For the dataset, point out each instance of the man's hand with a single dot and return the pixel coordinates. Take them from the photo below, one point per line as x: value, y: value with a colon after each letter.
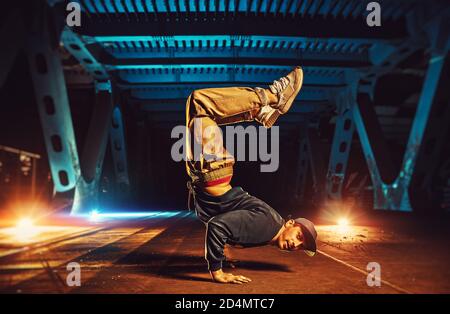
x: 220, y: 276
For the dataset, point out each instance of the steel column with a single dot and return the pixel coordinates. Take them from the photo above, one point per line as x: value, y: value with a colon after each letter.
x: 118, y: 147
x: 86, y: 193
x: 434, y: 139
x: 340, y: 148
x: 53, y: 105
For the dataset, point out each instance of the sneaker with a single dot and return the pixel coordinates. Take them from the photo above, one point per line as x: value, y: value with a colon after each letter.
x: 267, y: 116
x: 287, y: 88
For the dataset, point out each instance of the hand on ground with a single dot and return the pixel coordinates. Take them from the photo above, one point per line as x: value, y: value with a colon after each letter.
x: 220, y: 276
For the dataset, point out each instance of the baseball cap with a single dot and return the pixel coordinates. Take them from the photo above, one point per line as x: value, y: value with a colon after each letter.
x: 309, y: 235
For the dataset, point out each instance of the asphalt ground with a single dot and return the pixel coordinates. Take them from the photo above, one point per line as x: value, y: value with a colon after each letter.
x: 165, y: 254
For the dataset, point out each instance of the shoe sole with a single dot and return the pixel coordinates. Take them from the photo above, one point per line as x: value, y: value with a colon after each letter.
x: 272, y: 119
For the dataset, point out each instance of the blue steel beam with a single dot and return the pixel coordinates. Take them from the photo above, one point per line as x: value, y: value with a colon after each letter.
x: 427, y: 169
x: 68, y: 172
x: 118, y: 147
x: 426, y: 27
x: 281, y: 58
x: 53, y: 107
x: 395, y: 195
x: 87, y: 187
x: 117, y: 45
x: 78, y: 49
x: 162, y: 24
x: 228, y: 46
x: 341, y: 145
x: 284, y: 8
x: 224, y: 73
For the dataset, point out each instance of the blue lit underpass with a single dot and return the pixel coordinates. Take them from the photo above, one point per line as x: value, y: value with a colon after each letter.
x: 94, y: 100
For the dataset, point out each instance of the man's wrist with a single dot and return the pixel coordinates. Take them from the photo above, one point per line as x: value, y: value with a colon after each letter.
x: 216, y: 274
x: 214, y: 266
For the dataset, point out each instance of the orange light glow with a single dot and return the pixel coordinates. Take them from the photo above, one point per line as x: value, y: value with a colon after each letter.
x: 25, y: 230
x: 343, y: 222
x: 343, y: 225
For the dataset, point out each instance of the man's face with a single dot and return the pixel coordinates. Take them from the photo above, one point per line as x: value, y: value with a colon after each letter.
x: 291, y: 238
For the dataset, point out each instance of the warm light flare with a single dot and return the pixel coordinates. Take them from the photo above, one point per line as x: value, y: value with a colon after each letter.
x: 25, y: 230
x: 343, y: 222
x: 343, y: 225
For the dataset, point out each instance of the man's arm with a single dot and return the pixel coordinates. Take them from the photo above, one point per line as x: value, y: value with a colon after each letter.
x: 217, y: 234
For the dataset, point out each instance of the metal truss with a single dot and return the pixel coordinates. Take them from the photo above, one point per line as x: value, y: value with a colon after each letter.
x: 223, y: 73
x: 392, y: 190
x: 395, y: 194
x: 395, y: 9
x: 425, y: 27
x: 341, y: 145
x: 240, y: 17
x: 53, y: 105
x: 77, y: 48
x: 86, y: 193
x: 434, y: 139
x: 152, y: 50
x: 68, y: 171
x: 135, y: 50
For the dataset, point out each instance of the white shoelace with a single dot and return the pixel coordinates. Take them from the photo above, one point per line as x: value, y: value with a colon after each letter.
x: 279, y: 85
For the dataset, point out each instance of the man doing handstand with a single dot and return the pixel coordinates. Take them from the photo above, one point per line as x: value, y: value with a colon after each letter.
x: 230, y: 214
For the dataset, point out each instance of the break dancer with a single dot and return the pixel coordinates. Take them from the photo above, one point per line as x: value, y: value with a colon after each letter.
x: 230, y: 214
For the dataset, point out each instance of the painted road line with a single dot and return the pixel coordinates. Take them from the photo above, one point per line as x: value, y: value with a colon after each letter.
x: 385, y: 282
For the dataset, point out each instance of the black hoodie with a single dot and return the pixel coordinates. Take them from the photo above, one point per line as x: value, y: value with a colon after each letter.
x: 234, y: 218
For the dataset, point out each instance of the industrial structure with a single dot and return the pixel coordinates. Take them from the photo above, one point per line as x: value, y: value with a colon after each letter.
x: 371, y: 124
